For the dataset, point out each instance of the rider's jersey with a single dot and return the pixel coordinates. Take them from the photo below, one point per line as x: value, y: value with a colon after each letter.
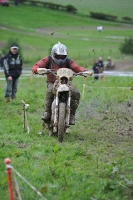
x: 44, y: 63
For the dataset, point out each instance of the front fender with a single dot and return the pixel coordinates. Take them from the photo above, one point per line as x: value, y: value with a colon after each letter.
x: 63, y: 88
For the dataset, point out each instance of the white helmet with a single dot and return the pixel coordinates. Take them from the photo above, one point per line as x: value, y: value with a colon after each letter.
x: 59, y: 53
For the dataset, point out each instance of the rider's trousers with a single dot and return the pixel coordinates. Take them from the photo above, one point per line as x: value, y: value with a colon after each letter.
x: 75, y: 97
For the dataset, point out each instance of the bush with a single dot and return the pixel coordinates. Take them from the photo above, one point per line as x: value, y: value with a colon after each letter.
x: 71, y: 9
x: 103, y: 16
x: 127, y: 19
x: 127, y: 46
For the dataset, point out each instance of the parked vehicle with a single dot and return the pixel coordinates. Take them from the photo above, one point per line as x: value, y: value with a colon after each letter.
x: 60, y: 108
x: 4, y: 3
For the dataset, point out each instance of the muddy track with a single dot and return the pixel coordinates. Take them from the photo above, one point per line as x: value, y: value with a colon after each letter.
x: 124, y: 66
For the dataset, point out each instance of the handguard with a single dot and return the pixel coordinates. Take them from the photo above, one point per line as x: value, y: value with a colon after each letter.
x: 42, y: 71
x: 90, y: 73
x: 87, y: 73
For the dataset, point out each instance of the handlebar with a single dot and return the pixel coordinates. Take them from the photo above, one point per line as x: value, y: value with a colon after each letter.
x: 43, y: 71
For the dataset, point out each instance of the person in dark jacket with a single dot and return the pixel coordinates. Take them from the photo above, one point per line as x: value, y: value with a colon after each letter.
x: 96, y: 69
x: 12, y: 70
x: 58, y: 59
x: 16, y: 2
x: 101, y: 64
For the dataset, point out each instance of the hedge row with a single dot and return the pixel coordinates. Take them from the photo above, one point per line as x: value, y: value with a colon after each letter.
x: 127, y: 19
x: 68, y: 8
x: 103, y: 16
x: 72, y: 9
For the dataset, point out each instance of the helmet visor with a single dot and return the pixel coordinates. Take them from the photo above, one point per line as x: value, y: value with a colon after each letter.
x: 62, y: 57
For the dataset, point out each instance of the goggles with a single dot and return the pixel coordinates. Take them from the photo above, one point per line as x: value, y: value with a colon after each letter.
x: 62, y: 57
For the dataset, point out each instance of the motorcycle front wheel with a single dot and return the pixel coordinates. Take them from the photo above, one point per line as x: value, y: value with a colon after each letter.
x: 61, y: 121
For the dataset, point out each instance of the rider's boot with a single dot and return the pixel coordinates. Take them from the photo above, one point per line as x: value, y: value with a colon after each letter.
x: 47, y: 113
x: 74, y: 107
x: 48, y: 102
x: 72, y: 119
x: 46, y: 116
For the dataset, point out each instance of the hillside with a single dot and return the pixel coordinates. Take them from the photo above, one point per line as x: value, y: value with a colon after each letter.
x: 118, y: 8
x: 40, y: 31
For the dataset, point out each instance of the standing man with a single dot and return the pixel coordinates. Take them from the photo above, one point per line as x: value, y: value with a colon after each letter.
x: 12, y: 70
x: 96, y: 69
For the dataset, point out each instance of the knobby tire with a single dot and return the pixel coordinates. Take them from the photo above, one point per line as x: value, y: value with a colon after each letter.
x: 61, y: 121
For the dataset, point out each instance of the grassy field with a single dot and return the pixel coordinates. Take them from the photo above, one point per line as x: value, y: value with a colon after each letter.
x: 95, y: 160
x: 45, y: 29
x: 114, y: 7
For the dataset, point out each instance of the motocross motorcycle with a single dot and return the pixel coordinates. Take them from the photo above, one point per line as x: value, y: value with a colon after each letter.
x: 60, y: 109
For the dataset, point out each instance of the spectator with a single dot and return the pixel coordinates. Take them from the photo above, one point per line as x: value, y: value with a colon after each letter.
x: 109, y: 60
x: 16, y: 2
x: 12, y: 70
x: 109, y: 65
x: 96, y: 69
x: 1, y: 61
x: 101, y: 65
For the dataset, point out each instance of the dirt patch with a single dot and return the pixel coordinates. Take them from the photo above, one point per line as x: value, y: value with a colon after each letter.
x: 118, y: 120
x: 124, y: 66
x: 114, y: 118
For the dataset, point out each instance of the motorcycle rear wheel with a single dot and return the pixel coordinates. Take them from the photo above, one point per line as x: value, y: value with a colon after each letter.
x: 61, y: 121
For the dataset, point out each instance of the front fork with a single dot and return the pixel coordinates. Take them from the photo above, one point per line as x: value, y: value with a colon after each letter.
x: 56, y: 113
x: 68, y: 110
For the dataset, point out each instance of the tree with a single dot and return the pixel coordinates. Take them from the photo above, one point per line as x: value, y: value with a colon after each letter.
x: 71, y: 9
x: 127, y: 46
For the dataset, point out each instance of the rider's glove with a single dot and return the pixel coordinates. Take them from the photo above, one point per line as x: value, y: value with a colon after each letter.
x: 43, y: 71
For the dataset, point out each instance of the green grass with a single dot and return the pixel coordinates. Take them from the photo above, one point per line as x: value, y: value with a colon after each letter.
x: 89, y: 163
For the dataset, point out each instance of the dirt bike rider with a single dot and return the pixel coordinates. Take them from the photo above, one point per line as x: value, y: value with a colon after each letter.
x: 58, y: 59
